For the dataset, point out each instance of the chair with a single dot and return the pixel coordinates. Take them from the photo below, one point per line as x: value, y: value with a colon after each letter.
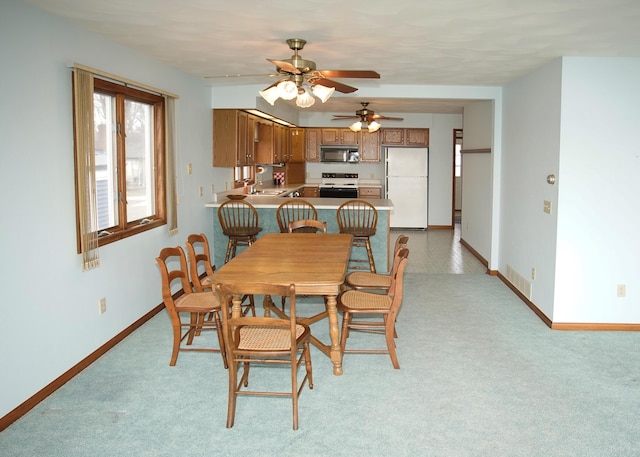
x: 239, y: 221
x: 307, y: 226
x: 195, y: 304
x: 294, y: 209
x: 360, y: 219
x: 264, y: 340
x: 199, y: 255
x: 365, y: 280
x: 369, y: 304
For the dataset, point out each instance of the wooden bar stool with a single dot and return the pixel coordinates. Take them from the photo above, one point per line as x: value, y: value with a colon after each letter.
x: 239, y: 221
x: 360, y: 219
x: 293, y: 210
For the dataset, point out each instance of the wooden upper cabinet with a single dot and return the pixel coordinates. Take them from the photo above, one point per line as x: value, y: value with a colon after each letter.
x: 417, y: 137
x: 338, y: 136
x: 404, y: 137
x: 297, y: 145
x: 265, y: 151
x: 312, y: 144
x: 369, y: 147
x: 233, y: 141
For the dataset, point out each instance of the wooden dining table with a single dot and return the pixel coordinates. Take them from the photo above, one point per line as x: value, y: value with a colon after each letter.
x: 316, y: 263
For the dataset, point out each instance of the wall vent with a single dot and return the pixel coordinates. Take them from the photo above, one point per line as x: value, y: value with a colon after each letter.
x: 519, y: 282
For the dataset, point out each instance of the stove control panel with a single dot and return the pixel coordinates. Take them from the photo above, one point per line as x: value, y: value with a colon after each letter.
x: 340, y: 175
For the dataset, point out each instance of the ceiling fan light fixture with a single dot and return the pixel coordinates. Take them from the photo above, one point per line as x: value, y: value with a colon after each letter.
x: 304, y: 100
x: 270, y: 94
x: 322, y: 92
x: 287, y: 90
x: 356, y: 126
x: 374, y: 126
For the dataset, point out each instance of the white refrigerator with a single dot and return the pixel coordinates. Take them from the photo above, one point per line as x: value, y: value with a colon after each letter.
x: 407, y: 186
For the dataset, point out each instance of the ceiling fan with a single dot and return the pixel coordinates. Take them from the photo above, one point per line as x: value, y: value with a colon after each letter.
x: 296, y: 73
x: 366, y: 117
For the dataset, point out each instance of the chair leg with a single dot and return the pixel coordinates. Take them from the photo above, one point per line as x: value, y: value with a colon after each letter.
x: 391, y: 344
x: 233, y: 385
x: 177, y: 333
x: 372, y: 263
x: 346, y: 320
x: 307, y: 363
x: 195, y: 323
x: 229, y: 247
x: 223, y: 348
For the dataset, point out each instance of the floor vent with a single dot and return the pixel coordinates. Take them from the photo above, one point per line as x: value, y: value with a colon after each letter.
x: 519, y: 282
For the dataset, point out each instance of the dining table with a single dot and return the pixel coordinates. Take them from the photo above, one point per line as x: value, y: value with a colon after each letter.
x: 315, y: 263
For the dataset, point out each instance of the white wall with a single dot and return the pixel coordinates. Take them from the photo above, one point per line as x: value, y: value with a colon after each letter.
x: 531, y: 152
x: 598, y: 184
x: 50, y: 318
x: 478, y: 178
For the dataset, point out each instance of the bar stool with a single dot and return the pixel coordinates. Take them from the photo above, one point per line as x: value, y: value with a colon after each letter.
x: 239, y: 221
x: 360, y: 219
x: 293, y: 210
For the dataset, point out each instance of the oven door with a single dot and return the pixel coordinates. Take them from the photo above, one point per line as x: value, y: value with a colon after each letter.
x: 339, y: 192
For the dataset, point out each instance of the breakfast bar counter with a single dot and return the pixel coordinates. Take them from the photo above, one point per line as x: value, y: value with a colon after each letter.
x: 266, y: 207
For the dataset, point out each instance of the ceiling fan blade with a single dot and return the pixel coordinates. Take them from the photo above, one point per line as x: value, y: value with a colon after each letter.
x: 284, y: 66
x: 338, y: 117
x: 350, y: 74
x: 380, y: 116
x: 241, y: 76
x: 336, y: 85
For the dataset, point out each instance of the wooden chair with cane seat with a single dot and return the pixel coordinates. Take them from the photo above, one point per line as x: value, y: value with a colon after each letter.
x: 370, y: 305
x: 307, y: 226
x: 365, y: 280
x: 360, y: 219
x: 239, y: 221
x: 264, y: 340
x: 201, y: 268
x: 294, y: 209
x: 173, y: 268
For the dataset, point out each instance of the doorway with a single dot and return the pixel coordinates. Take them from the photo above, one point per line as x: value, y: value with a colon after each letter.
x: 456, y: 198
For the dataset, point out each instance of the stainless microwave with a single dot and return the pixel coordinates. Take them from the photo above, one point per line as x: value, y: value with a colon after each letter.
x: 339, y: 154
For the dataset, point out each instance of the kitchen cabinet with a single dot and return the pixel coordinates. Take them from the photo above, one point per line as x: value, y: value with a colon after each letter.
x: 297, y: 145
x: 338, y: 136
x: 233, y: 138
x: 404, y: 137
x: 312, y: 144
x: 273, y: 143
x: 369, y: 147
x: 310, y: 192
x: 369, y: 192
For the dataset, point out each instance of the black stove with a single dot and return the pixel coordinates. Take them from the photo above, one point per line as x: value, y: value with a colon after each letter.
x: 339, y: 185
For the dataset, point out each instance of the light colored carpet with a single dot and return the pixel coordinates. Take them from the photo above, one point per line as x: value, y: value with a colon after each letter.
x: 480, y: 375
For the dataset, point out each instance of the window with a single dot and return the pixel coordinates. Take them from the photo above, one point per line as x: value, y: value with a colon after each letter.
x: 129, y: 132
x: 458, y: 153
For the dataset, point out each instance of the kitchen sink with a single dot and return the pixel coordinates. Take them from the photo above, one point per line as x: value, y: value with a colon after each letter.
x: 270, y: 192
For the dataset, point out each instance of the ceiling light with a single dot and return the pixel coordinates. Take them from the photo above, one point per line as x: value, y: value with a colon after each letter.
x: 356, y: 126
x: 322, y: 92
x: 374, y: 126
x: 287, y: 90
x: 304, y: 100
x: 270, y: 94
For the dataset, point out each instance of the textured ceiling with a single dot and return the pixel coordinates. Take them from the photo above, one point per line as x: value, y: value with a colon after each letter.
x: 419, y: 42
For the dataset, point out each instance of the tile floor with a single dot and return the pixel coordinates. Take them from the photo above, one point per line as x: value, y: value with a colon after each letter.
x: 439, y: 251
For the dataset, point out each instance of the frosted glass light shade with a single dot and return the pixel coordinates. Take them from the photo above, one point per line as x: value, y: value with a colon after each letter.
x: 287, y: 90
x: 305, y: 100
x: 374, y: 127
x: 322, y: 92
x: 356, y: 126
x: 270, y: 94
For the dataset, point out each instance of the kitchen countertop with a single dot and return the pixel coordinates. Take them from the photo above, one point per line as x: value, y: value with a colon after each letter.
x: 264, y: 201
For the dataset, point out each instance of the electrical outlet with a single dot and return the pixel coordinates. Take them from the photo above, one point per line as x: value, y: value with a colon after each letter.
x: 189, y: 169
x: 102, y: 305
x: 213, y: 189
x: 621, y: 290
x: 201, y: 191
x: 533, y: 274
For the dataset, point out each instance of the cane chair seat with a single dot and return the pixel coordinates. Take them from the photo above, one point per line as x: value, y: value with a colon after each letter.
x: 239, y: 222
x: 294, y: 209
x: 360, y: 219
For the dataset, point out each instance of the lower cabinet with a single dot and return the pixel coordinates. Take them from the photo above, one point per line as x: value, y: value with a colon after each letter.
x: 310, y: 192
x: 370, y: 192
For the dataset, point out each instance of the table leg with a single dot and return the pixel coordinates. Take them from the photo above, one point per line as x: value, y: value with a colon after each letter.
x: 236, y: 306
x: 267, y: 303
x: 334, y: 332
